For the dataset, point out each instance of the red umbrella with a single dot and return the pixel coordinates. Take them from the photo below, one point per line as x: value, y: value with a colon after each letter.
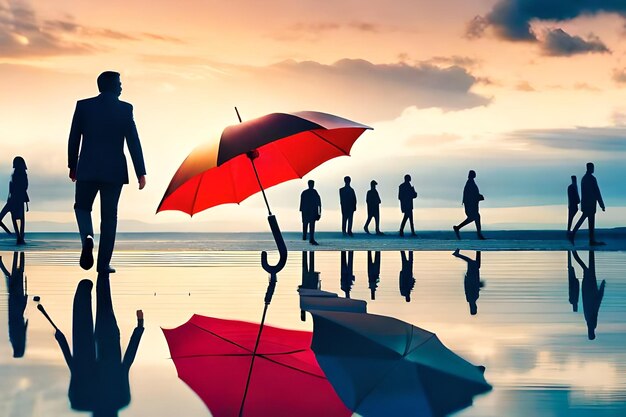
x: 213, y: 357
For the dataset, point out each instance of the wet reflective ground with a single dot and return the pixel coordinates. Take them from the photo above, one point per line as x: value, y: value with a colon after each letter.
x: 536, y: 348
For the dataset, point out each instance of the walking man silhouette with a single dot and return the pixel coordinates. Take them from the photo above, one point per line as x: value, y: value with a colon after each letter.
x: 97, y: 164
x: 373, y: 208
x: 591, y: 197
x: 471, y: 198
x: 347, y: 200
x: 311, y: 209
x: 573, y: 199
x: 406, y: 195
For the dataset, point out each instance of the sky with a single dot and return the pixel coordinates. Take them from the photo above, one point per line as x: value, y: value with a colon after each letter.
x: 522, y: 92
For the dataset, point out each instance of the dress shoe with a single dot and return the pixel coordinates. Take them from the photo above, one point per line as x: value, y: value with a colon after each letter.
x: 86, y: 255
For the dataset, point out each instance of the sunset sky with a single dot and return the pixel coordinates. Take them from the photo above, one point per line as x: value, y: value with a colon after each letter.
x: 523, y: 92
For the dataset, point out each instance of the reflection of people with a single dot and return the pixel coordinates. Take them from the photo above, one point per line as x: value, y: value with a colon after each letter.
x: 373, y: 272
x: 472, y: 282
x: 589, y: 201
x: 406, y: 195
x: 471, y: 198
x: 407, y: 281
x: 310, y: 277
x: 347, y: 271
x: 373, y: 208
x: 100, y: 127
x: 573, y: 199
x: 592, y: 295
x: 18, y: 198
x: 99, y: 374
x: 347, y: 200
x: 18, y: 298
x: 311, y: 208
x: 572, y: 283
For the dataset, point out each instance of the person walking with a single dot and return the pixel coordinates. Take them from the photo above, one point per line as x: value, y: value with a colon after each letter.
x: 573, y: 199
x: 373, y: 208
x: 471, y: 198
x: 311, y: 209
x: 100, y: 127
x: 406, y: 195
x: 347, y: 200
x: 18, y: 198
x: 591, y: 198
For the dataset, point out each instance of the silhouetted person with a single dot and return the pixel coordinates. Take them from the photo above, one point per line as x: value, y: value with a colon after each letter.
x: 407, y: 280
x: 592, y: 295
x: 310, y: 277
x: 311, y: 208
x: 18, y: 299
x: 573, y: 199
x: 591, y: 197
x: 18, y: 198
x: 100, y: 127
x: 572, y: 283
x: 373, y: 208
x: 347, y: 200
x: 472, y: 282
x: 406, y: 195
x: 99, y: 379
x: 373, y: 272
x: 347, y: 271
x: 471, y: 198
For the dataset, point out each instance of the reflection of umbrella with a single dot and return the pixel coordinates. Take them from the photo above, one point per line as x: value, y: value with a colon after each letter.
x: 320, y: 300
x: 213, y: 357
x: 381, y: 366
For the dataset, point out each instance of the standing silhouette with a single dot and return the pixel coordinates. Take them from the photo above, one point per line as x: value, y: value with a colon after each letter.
x: 592, y: 295
x: 407, y: 280
x: 572, y: 283
x: 347, y: 200
x: 347, y: 271
x: 406, y: 195
x: 373, y: 272
x: 472, y: 282
x: 591, y: 198
x: 100, y: 127
x: 18, y: 198
x: 373, y: 208
x: 18, y: 299
x: 573, y: 199
x: 99, y: 379
x: 471, y: 198
x: 311, y: 208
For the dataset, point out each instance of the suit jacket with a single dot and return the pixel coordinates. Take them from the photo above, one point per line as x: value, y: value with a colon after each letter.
x: 99, y: 127
x: 406, y: 194
x: 573, y: 199
x: 347, y: 199
x: 590, y: 194
x: 310, y: 205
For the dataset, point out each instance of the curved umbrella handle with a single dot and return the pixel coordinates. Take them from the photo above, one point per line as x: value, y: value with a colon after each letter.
x: 280, y: 244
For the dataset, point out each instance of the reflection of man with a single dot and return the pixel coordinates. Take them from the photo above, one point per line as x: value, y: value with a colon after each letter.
x: 310, y: 277
x: 18, y: 299
x: 589, y: 201
x: 407, y: 281
x: 347, y: 271
x: 592, y: 295
x: 347, y: 200
x: 99, y: 374
x: 406, y: 195
x: 100, y: 127
x: 373, y: 272
x: 472, y: 282
x: 311, y: 208
x: 572, y: 283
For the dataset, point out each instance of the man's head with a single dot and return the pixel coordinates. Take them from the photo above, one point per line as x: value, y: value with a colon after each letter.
x: 407, y: 178
x: 109, y: 82
x: 573, y: 179
x: 311, y: 184
x: 373, y: 184
x: 471, y: 174
x: 590, y: 167
x: 347, y: 180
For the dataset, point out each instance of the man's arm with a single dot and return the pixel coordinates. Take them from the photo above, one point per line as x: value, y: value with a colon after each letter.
x: 73, y: 144
x: 136, y: 153
x: 598, y: 194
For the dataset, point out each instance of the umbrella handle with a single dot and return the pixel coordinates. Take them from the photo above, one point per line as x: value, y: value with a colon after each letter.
x: 280, y: 244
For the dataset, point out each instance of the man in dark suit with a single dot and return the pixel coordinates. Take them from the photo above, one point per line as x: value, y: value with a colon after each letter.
x: 347, y: 200
x: 311, y: 208
x: 373, y: 208
x: 471, y: 198
x: 573, y: 199
x: 100, y: 127
x: 591, y: 197
x: 406, y: 195
x: 592, y: 294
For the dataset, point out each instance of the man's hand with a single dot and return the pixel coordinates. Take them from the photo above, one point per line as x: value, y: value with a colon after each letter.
x: 603, y: 209
x: 142, y: 182
x: 73, y: 175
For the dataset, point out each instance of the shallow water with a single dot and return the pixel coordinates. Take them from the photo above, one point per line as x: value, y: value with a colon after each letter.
x: 538, y: 356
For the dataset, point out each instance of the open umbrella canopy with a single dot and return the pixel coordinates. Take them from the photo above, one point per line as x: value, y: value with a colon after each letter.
x: 381, y: 366
x: 286, y: 146
x: 213, y: 357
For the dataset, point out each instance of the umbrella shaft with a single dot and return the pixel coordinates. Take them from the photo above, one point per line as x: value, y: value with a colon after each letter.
x: 260, y: 186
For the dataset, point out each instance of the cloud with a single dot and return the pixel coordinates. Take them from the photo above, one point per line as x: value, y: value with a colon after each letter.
x: 619, y: 75
x: 524, y: 86
x: 587, y: 139
x: 511, y: 19
x: 312, y: 31
x: 557, y: 42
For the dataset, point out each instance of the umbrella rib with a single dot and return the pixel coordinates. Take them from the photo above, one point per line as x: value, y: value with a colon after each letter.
x: 288, y: 162
x: 329, y: 142
x: 195, y: 196
x: 221, y: 337
x: 202, y: 355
